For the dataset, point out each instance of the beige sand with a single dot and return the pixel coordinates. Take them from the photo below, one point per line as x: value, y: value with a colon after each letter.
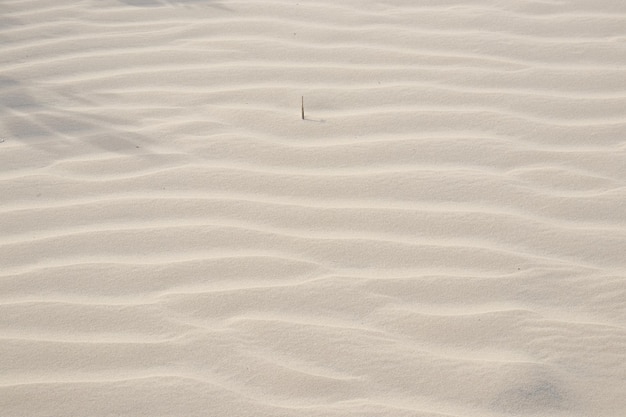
x: 444, y: 235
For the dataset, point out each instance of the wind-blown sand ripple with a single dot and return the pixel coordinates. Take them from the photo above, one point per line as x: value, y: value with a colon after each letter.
x: 443, y: 235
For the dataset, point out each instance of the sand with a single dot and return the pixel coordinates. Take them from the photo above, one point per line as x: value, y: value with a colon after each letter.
x: 443, y: 235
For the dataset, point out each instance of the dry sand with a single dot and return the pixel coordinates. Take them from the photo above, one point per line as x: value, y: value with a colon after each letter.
x: 444, y: 235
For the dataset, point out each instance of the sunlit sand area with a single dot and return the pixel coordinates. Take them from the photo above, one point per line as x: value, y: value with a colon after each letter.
x: 442, y: 235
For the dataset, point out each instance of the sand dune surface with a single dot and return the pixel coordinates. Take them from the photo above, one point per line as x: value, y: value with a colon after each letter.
x: 444, y: 234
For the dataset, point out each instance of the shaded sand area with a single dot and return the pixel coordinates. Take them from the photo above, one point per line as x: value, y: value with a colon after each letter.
x: 443, y: 235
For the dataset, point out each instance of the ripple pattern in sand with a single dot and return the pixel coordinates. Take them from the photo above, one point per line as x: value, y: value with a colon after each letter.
x: 444, y: 235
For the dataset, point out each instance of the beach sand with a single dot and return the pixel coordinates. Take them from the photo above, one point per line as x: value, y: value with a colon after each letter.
x: 444, y: 234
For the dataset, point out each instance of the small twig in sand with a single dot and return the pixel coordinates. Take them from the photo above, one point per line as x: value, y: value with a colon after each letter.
x: 302, y: 107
